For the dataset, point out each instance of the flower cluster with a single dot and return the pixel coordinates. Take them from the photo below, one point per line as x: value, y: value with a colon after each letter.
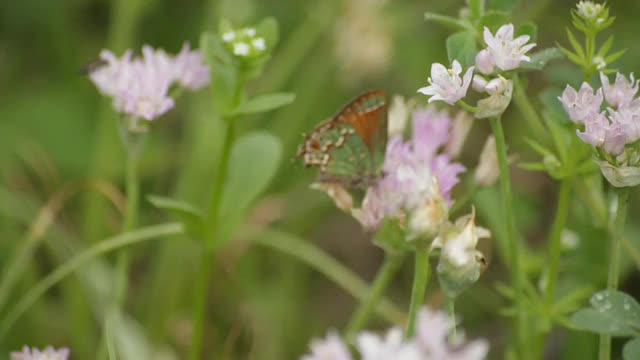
x: 418, y: 179
x: 430, y: 343
x: 244, y: 43
x: 49, y: 353
x: 503, y: 52
x: 140, y: 86
x: 613, y: 132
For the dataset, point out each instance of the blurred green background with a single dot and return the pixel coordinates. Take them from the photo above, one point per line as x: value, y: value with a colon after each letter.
x: 56, y: 132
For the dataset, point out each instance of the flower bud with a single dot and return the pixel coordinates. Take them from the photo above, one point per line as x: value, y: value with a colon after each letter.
x: 459, y: 130
x: 487, y: 172
x: 500, y: 91
x: 620, y: 176
x: 426, y: 220
x: 460, y: 264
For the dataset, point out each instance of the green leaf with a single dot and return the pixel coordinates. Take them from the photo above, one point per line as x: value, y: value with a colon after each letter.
x: 504, y: 5
x: 617, y: 305
x: 263, y: 103
x: 573, y: 57
x: 189, y: 215
x: 447, y: 21
x: 225, y: 26
x: 606, y: 46
x: 253, y: 164
x: 268, y: 29
x: 493, y: 19
x: 528, y: 28
x: 541, y: 58
x: 613, y: 57
x: 631, y: 350
x: 461, y: 46
x: 595, y: 321
x: 577, y: 47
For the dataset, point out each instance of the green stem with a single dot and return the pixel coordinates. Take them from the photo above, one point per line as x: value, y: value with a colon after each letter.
x: 467, y: 107
x: 614, y: 262
x: 528, y: 111
x: 451, y: 309
x: 392, y: 263
x: 515, y: 251
x: 208, y: 258
x: 420, y: 279
x: 590, y: 40
x: 322, y: 262
x: 78, y: 261
x: 555, y: 238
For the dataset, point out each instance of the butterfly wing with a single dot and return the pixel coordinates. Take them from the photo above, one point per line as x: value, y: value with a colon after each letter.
x: 349, y: 148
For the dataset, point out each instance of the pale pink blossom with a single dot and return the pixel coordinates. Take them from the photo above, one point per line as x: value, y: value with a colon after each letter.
x: 330, y: 348
x: 621, y: 92
x: 446, y: 84
x: 484, y: 62
x: 507, y: 53
x: 190, y: 70
x: 581, y: 105
x: 390, y: 346
x: 600, y: 132
x: 49, y: 353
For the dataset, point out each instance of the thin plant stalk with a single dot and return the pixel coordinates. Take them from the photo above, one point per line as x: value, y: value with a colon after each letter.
x: 515, y: 251
x: 529, y: 113
x: 420, y: 280
x: 555, y: 238
x: 208, y: 257
x: 392, y: 263
x: 617, y: 233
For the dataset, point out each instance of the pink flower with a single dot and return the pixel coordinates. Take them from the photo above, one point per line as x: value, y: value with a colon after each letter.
x: 622, y: 91
x: 583, y: 104
x: 140, y: 86
x: 415, y: 173
x: 507, y: 53
x: 390, y: 346
x: 446, y: 84
x: 600, y: 132
x: 49, y: 353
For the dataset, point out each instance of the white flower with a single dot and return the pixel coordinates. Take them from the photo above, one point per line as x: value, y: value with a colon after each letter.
x: 330, y: 348
x: 241, y: 49
x: 251, y: 32
x: 259, y: 44
x: 500, y: 91
x: 589, y: 10
x: 507, y: 52
x: 581, y: 105
x: 392, y: 346
x: 622, y: 91
x: 487, y: 171
x: 228, y: 36
x: 49, y: 353
x: 446, y: 84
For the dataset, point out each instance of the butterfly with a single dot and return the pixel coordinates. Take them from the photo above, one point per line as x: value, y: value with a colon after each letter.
x: 349, y: 147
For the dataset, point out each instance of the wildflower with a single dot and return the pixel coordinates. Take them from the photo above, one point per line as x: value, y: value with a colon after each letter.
x: 140, y: 86
x: 432, y: 330
x: 460, y: 128
x: 507, y: 52
x: 460, y: 263
x: 601, y: 133
x: 190, y: 70
x: 244, y: 43
x: 430, y: 343
x: 599, y: 62
x: 331, y: 348
x: 487, y: 172
x: 500, y: 91
x: 622, y: 91
x: 418, y: 180
x: 446, y: 84
x: 583, y: 104
x: 49, y: 353
x: 391, y: 346
x: 589, y: 10
x: 484, y: 62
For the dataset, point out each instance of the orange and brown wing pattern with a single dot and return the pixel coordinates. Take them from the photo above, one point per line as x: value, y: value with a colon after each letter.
x: 368, y: 115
